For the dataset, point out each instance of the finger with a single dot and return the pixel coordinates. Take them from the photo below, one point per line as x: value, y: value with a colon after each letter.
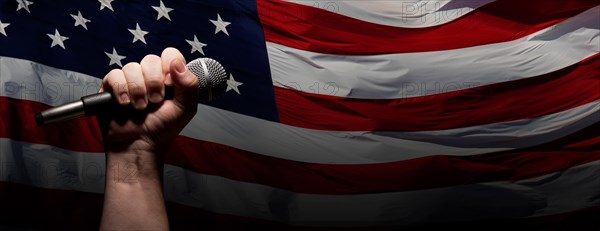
x: 136, y: 85
x: 186, y: 84
x: 167, y: 56
x: 115, y: 82
x: 153, y: 78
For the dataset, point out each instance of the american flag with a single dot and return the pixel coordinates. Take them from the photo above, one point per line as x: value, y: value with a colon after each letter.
x: 337, y: 113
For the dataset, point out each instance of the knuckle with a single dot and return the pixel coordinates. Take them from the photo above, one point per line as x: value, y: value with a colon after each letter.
x: 151, y: 59
x: 171, y: 53
x: 113, y: 75
x: 135, y: 87
x: 129, y: 67
x: 169, y: 50
x: 153, y: 83
x: 118, y: 87
x: 114, y: 72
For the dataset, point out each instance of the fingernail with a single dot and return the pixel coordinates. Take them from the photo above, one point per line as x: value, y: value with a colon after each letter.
x: 155, y: 97
x: 140, y: 103
x: 179, y: 66
x: 124, y: 97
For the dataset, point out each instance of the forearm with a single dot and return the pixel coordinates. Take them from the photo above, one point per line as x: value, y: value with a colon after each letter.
x: 133, y: 194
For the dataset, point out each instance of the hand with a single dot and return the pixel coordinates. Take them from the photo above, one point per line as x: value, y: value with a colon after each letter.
x: 137, y: 133
x: 143, y: 120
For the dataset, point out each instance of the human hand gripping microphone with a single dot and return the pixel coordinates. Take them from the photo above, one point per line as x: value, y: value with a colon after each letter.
x: 211, y: 75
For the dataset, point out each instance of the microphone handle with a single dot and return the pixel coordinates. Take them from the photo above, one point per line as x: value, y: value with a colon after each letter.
x: 87, y: 106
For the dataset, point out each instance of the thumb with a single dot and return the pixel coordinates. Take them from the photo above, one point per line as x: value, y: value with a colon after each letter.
x: 185, y: 83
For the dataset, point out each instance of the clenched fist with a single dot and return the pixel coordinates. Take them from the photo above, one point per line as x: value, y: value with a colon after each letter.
x: 144, y: 119
x: 137, y: 132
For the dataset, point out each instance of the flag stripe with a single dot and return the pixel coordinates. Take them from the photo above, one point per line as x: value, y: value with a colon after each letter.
x: 425, y: 172
x: 533, y: 197
x: 318, y: 30
x: 218, y: 126
x: 18, y: 123
x: 30, y: 80
x: 356, y: 178
x: 399, y: 13
x: 411, y: 74
x: 514, y: 100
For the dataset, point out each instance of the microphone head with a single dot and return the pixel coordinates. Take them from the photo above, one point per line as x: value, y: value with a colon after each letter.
x: 212, y: 78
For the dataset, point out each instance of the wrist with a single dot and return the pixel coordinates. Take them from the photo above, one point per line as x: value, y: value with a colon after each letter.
x: 137, y: 163
x: 134, y: 191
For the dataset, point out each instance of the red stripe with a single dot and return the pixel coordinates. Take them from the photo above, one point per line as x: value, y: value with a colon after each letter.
x: 313, y: 29
x: 422, y: 173
x: 25, y: 208
x: 508, y: 101
x: 17, y: 122
x: 217, y: 159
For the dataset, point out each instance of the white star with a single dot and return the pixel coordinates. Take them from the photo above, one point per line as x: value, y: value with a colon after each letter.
x: 220, y: 25
x: 233, y: 85
x: 80, y: 20
x: 2, y: 27
x: 106, y: 4
x: 196, y: 45
x: 138, y: 34
x: 115, y: 58
x: 162, y: 11
x: 24, y: 4
x: 57, y: 39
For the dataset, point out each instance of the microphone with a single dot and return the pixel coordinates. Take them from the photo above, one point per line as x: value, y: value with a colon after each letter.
x: 211, y: 76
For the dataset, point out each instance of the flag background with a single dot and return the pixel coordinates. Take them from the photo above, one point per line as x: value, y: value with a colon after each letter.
x: 342, y: 113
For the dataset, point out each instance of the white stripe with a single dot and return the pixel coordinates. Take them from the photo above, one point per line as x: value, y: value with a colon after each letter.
x: 555, y: 193
x: 24, y: 79
x: 306, y: 145
x: 406, y: 75
x: 328, y: 147
x: 399, y: 13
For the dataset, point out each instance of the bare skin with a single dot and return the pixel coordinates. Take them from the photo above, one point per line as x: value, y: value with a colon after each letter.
x: 137, y: 133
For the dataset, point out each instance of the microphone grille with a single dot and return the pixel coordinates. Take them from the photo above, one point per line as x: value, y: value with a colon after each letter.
x: 212, y: 78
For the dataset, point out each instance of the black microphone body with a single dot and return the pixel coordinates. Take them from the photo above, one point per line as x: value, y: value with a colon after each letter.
x: 212, y: 83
